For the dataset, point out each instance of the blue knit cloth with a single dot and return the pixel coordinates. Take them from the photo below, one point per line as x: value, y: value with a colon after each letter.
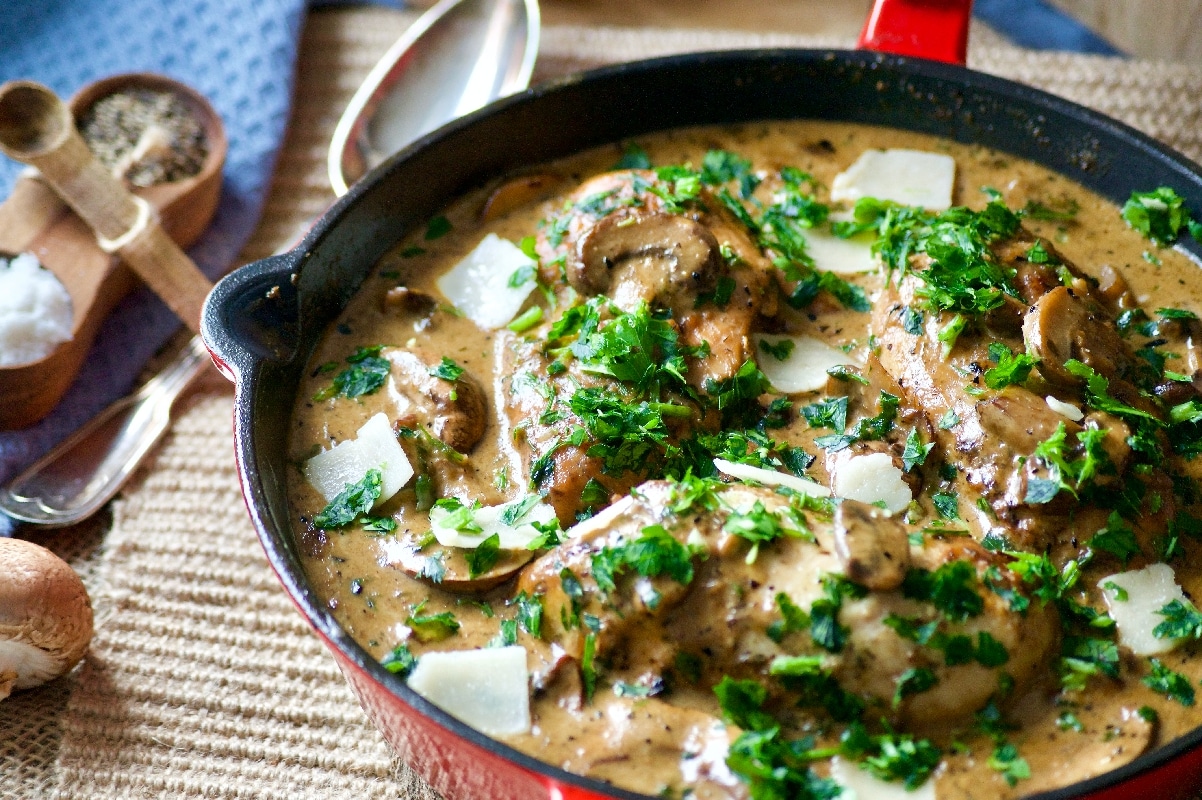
x: 240, y: 54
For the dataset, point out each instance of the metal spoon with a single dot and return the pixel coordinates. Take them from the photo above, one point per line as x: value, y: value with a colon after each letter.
x: 72, y: 481
x: 458, y: 56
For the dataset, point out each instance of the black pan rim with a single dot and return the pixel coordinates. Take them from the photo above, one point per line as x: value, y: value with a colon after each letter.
x: 249, y: 370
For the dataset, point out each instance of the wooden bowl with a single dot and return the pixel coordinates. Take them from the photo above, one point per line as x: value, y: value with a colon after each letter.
x: 35, y: 220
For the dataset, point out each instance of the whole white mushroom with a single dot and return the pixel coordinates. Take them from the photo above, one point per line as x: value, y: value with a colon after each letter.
x: 45, y: 616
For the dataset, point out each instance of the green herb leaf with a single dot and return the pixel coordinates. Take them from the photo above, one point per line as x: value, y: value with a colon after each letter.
x: 1181, y: 621
x: 1159, y: 215
x: 357, y: 498
x: 447, y: 369
x: 1010, y: 369
x: 432, y: 627
x: 1171, y: 684
x: 915, y: 452
x: 1117, y: 538
x: 367, y: 373
x: 400, y: 661
x: 437, y: 227
x: 484, y: 556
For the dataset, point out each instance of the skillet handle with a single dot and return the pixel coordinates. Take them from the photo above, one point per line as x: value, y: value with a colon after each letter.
x: 932, y: 29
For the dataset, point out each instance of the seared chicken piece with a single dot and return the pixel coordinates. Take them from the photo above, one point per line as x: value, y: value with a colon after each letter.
x: 990, y: 435
x: 726, y: 614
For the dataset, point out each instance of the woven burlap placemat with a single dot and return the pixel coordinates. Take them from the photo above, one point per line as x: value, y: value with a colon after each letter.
x: 202, y: 679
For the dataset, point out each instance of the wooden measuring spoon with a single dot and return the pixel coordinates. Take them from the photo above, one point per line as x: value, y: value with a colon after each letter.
x: 34, y: 219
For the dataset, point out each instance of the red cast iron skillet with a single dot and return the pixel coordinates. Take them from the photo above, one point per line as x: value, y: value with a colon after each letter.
x: 262, y: 321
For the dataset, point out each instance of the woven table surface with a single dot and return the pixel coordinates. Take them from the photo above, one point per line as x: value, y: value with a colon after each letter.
x: 202, y: 679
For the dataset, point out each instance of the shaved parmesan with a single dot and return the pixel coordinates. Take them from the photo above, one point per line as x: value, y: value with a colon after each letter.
x: 1147, y: 590
x: 841, y: 256
x: 804, y: 368
x: 479, y: 285
x: 859, y: 784
x: 909, y: 177
x: 374, y: 447
x: 1067, y: 410
x: 872, y: 478
x: 513, y: 536
x: 768, y: 477
x: 486, y: 688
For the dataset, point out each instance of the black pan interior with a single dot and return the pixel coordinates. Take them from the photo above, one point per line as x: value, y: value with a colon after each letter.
x: 267, y: 335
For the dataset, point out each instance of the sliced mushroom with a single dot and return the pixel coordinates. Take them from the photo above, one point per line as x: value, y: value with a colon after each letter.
x: 45, y: 616
x: 517, y: 192
x: 447, y: 567
x: 873, y: 547
x: 457, y: 409
x: 638, y: 258
x: 1060, y: 327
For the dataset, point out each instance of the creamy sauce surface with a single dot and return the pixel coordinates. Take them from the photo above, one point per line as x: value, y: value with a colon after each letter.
x: 652, y: 724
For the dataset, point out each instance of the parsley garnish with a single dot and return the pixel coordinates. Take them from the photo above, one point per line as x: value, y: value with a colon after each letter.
x: 1117, y: 538
x: 1064, y: 473
x: 827, y: 414
x: 431, y: 627
x: 400, y: 661
x: 347, y: 505
x: 530, y: 613
x: 367, y: 373
x: 951, y: 588
x: 915, y: 452
x: 447, y: 369
x: 780, y: 350
x: 437, y: 227
x: 1160, y: 215
x: 1010, y: 368
x: 484, y: 556
x: 588, y: 666
x: 1181, y: 620
x: 654, y: 553
x: 891, y: 756
x: 1171, y: 684
x: 913, y: 681
x: 1006, y: 760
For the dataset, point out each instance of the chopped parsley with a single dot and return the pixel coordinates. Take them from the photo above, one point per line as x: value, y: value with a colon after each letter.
x: 357, y: 498
x: 951, y: 588
x: 366, y: 374
x: 448, y: 370
x: 530, y: 613
x: 1010, y: 369
x: 431, y: 627
x: 1117, y: 538
x: 655, y: 552
x: 437, y: 227
x: 1160, y: 215
x: 915, y: 452
x: 1067, y: 473
x: 400, y: 661
x: 891, y: 756
x: 484, y: 556
x: 1181, y: 620
x: 780, y: 350
x: 914, y: 680
x: 588, y: 666
x: 1171, y: 684
x: 633, y: 157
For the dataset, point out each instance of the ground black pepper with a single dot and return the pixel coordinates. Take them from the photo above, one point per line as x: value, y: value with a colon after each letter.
x: 151, y: 137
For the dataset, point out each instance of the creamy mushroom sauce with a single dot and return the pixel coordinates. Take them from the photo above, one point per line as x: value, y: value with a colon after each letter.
x: 653, y: 723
